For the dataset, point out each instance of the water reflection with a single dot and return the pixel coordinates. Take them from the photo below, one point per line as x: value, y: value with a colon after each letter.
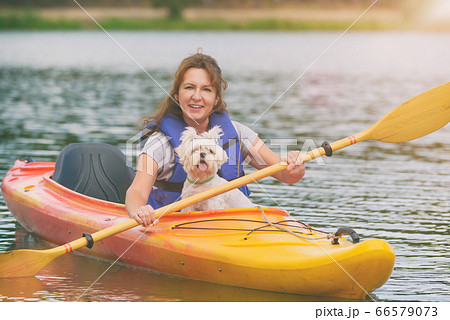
x: 84, y: 90
x: 70, y: 278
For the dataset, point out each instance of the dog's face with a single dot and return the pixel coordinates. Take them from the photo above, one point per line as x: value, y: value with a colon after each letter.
x: 200, y: 155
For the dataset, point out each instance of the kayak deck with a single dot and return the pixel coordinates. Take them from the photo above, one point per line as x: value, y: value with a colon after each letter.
x: 242, y: 247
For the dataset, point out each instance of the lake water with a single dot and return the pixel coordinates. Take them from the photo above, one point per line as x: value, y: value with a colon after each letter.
x: 62, y: 87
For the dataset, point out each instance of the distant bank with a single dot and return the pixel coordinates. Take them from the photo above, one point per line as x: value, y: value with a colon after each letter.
x: 283, y: 19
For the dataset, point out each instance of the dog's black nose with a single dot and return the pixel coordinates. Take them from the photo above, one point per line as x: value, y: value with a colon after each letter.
x: 202, y: 154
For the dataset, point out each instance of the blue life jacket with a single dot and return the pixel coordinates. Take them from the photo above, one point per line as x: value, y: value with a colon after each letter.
x: 170, y: 191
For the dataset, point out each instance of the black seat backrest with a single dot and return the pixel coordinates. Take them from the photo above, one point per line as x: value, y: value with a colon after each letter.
x: 97, y: 170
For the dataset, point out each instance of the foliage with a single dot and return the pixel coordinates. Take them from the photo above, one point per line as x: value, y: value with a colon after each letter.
x: 175, y: 7
x: 179, y: 5
x: 30, y: 21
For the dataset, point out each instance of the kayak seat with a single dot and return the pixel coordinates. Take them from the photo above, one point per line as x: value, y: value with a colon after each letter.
x: 98, y: 170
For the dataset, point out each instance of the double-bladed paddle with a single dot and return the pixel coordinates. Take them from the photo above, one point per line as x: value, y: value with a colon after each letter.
x: 417, y: 117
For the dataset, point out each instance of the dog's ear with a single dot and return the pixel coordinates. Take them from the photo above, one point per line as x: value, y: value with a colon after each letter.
x: 223, y: 156
x: 186, y: 137
x: 180, y: 152
x: 188, y: 134
x: 215, y: 133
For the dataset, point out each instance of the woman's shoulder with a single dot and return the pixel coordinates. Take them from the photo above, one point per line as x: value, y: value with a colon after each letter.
x: 157, y: 136
x: 237, y: 125
x: 159, y: 148
x: 243, y: 130
x: 156, y: 141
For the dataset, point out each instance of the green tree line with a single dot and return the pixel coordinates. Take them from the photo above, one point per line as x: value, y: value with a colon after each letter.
x: 193, y: 3
x: 176, y: 7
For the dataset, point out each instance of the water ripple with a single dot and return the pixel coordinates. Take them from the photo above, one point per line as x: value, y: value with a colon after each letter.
x: 395, y: 192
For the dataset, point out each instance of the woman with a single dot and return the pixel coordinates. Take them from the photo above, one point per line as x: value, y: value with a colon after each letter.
x: 196, y: 100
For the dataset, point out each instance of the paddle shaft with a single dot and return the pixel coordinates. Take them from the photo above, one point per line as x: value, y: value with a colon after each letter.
x: 181, y: 204
x: 215, y: 191
x: 417, y: 117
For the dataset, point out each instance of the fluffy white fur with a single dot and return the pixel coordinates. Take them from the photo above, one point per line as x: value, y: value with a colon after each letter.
x: 201, y: 158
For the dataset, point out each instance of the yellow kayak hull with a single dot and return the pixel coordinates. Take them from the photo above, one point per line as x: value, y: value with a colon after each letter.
x: 238, y: 247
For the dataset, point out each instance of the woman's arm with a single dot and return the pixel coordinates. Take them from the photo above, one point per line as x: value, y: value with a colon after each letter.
x: 261, y: 157
x: 137, y: 194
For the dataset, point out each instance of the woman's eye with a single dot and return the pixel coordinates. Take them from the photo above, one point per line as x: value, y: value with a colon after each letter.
x: 207, y: 89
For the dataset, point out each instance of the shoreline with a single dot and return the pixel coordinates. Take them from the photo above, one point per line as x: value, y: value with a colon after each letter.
x: 277, y: 19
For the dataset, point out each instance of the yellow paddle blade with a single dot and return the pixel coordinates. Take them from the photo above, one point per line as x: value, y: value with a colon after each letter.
x: 415, y: 118
x: 25, y: 263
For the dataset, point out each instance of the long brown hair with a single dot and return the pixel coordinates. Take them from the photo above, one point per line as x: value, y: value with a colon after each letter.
x: 170, y: 105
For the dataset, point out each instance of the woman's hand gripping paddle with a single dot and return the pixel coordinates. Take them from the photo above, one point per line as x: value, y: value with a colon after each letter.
x: 417, y: 117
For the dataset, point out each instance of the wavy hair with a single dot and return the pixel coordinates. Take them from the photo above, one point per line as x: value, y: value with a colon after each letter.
x: 171, y: 105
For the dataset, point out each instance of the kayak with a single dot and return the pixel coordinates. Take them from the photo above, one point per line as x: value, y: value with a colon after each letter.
x: 259, y: 247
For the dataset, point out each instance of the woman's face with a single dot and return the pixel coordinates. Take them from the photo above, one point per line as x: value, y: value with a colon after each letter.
x: 197, y: 97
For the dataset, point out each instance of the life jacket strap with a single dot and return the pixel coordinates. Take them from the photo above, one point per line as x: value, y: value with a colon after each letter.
x: 169, y: 185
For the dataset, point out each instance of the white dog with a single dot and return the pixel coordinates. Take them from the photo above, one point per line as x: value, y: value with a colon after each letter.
x: 201, y: 158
